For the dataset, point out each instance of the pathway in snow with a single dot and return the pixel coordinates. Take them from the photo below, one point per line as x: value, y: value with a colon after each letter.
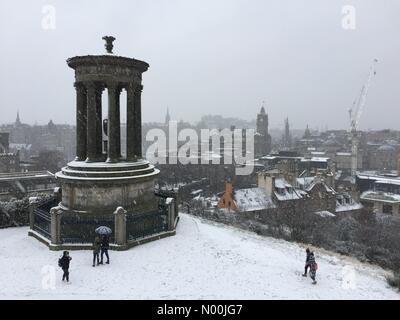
x: 203, y: 261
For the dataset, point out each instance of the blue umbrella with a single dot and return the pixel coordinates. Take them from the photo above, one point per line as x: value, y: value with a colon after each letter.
x: 103, y: 230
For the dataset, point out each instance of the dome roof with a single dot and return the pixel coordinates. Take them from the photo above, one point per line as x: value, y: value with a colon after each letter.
x: 386, y: 147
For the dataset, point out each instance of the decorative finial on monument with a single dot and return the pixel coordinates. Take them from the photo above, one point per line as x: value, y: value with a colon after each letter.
x: 109, y: 43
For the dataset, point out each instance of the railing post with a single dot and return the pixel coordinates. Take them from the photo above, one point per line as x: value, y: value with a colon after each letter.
x: 33, y: 201
x: 55, y: 225
x: 170, y: 203
x: 120, y: 226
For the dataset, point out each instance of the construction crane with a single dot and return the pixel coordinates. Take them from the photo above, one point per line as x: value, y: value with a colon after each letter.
x: 355, y: 115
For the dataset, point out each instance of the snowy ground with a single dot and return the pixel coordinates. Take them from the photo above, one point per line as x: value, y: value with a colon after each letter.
x: 203, y: 261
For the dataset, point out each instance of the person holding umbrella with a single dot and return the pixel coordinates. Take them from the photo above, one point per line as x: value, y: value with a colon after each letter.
x: 104, y: 249
x: 104, y: 231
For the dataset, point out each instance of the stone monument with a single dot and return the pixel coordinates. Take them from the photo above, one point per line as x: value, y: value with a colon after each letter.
x: 100, y: 187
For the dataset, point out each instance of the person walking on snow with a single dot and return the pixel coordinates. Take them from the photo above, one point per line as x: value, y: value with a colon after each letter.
x: 63, y: 262
x: 104, y: 249
x: 307, y: 266
x: 96, y: 250
x: 313, y: 267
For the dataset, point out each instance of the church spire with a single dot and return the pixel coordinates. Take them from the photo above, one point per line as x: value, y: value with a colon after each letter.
x: 307, y: 133
x: 167, y: 117
x: 18, y: 121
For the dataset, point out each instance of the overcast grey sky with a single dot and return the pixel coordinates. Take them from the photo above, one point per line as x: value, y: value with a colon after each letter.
x: 209, y: 57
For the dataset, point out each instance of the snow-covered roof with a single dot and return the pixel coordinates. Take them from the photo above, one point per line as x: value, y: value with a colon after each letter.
x: 305, y: 181
x: 8, y: 154
x: 313, y: 184
x: 320, y: 153
x: 380, y: 196
x: 285, y: 190
x: 348, y: 207
x: 20, y: 146
x: 281, y: 183
x: 268, y: 157
x: 325, y: 214
x: 25, y: 175
x: 345, y: 202
x: 252, y: 199
x: 386, y: 147
x: 315, y: 159
x: 392, y: 142
x: 389, y: 181
x: 343, y: 154
x: 293, y: 194
x: 372, y: 175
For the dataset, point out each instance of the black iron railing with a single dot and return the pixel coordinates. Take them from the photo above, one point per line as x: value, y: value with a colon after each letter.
x: 80, y: 230
x: 47, y: 204
x: 42, y: 217
x: 42, y: 222
x: 145, y: 224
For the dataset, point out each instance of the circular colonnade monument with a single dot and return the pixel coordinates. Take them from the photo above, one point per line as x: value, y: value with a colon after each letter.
x: 100, y: 187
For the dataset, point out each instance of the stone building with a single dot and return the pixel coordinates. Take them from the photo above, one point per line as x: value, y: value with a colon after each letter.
x: 244, y: 199
x: 380, y: 191
x: 9, y: 161
x: 312, y: 193
x: 4, y: 142
x: 29, y: 140
x: 383, y: 157
x: 290, y: 161
x: 262, y: 139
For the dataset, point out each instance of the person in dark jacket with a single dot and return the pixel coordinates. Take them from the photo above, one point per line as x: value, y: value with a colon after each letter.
x: 307, y: 266
x: 96, y: 250
x: 104, y: 249
x: 313, y: 269
x: 63, y: 262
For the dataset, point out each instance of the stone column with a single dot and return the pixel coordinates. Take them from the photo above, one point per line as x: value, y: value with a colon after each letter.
x: 91, y: 123
x: 55, y: 225
x: 113, y: 123
x: 170, y: 203
x: 120, y: 226
x: 130, y: 122
x: 33, y: 201
x: 81, y: 119
x: 118, y: 115
x: 138, y: 120
x: 99, y: 123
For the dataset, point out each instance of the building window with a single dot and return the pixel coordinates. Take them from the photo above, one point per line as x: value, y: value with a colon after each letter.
x: 387, y: 209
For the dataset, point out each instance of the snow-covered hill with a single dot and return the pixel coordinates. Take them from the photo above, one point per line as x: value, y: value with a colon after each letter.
x: 203, y: 261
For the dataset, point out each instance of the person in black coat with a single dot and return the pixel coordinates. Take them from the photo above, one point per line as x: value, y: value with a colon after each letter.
x: 96, y: 251
x: 307, y: 266
x: 63, y: 262
x: 104, y: 249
